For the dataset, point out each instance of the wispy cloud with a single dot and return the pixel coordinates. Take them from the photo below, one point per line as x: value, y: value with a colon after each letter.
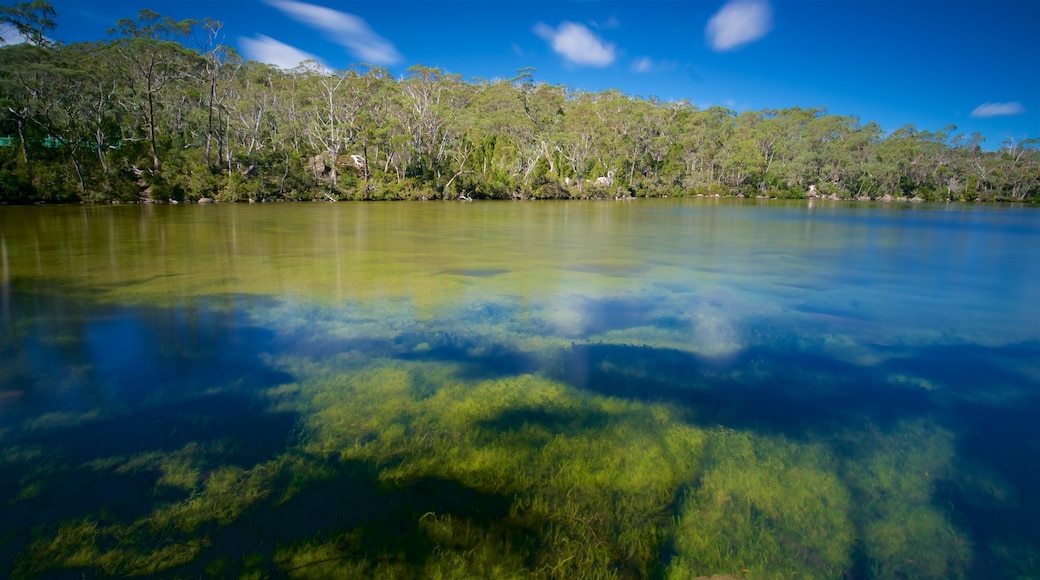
x: 611, y: 22
x: 577, y: 44
x: 268, y: 50
x: 739, y: 22
x: 347, y: 30
x: 987, y: 110
x: 646, y: 65
x: 643, y: 65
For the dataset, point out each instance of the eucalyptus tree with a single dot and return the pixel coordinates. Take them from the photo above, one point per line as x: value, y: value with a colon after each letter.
x: 249, y: 101
x: 834, y: 139
x: 1019, y: 168
x: 20, y: 86
x: 30, y: 20
x: 543, y: 114
x: 497, y: 124
x: 710, y: 131
x: 617, y: 120
x: 376, y: 121
x: 62, y: 103
x: 151, y: 59
x: 741, y: 159
x: 369, y: 90
x: 577, y: 138
x: 647, y: 140
x: 220, y: 64
x: 460, y: 134
x: 389, y: 129
x: 422, y: 90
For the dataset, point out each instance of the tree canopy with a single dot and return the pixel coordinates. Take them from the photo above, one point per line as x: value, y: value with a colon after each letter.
x: 163, y: 111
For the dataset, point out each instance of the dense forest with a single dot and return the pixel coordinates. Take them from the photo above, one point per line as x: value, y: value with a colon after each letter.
x: 163, y: 111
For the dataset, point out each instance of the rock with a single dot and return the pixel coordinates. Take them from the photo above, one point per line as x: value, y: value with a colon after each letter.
x: 206, y: 200
x: 317, y: 166
x: 863, y: 198
x: 887, y: 198
x: 916, y: 199
x: 606, y: 181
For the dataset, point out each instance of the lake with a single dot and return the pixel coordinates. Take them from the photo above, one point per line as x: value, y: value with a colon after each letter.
x: 649, y: 388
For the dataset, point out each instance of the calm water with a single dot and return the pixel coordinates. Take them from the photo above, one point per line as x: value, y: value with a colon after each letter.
x: 656, y: 389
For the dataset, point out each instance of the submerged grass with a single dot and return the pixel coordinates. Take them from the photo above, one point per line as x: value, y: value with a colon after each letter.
x: 431, y: 434
x: 523, y: 476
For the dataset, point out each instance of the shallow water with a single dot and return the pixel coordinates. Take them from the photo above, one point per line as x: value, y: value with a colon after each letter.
x: 614, y: 389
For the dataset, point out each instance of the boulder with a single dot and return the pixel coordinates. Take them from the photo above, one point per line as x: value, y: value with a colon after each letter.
x: 317, y: 166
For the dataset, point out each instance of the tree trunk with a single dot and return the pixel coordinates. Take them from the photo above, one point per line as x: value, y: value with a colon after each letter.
x: 151, y: 132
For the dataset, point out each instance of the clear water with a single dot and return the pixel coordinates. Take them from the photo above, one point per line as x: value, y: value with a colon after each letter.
x: 608, y: 389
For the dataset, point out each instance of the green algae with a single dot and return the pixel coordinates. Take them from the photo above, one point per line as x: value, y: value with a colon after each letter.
x: 431, y: 416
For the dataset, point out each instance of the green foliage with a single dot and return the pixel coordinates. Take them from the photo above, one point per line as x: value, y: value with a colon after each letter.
x: 201, y: 117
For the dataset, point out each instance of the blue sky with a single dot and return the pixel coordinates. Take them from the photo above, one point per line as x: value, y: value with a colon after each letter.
x: 930, y: 63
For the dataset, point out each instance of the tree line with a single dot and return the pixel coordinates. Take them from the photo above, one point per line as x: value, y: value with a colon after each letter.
x: 162, y: 110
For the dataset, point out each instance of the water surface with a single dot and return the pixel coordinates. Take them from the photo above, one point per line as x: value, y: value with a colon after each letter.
x: 609, y: 389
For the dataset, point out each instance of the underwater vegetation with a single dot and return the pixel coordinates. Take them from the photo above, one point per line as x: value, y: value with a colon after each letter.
x: 411, y: 453
x: 569, y: 404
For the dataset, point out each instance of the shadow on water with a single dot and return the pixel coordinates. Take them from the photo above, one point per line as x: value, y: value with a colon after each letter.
x: 762, y: 389
x: 478, y: 361
x: 91, y: 386
x: 102, y: 388
x: 981, y: 394
x: 365, y: 521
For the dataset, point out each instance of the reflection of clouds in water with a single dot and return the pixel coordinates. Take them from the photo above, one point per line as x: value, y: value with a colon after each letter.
x: 566, y: 317
x: 713, y: 333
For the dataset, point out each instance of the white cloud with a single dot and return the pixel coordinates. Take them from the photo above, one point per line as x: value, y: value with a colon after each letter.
x: 268, y: 50
x: 986, y: 110
x: 10, y: 35
x: 739, y: 22
x: 346, y: 30
x: 577, y: 44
